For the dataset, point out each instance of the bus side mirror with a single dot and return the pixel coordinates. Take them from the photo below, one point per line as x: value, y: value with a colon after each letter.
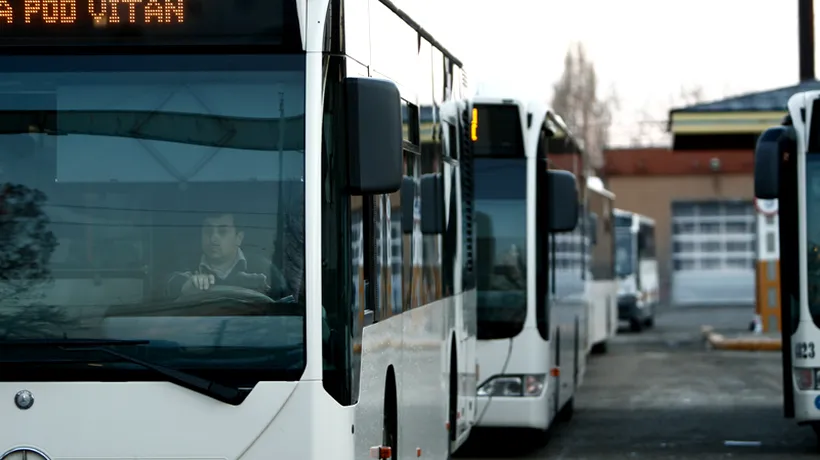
x: 767, y: 162
x: 563, y: 201
x: 374, y: 136
x: 408, y: 204
x: 432, y: 204
x: 593, y: 229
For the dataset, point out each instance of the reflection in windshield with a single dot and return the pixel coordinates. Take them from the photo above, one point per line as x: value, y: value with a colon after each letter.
x: 501, y: 220
x: 147, y: 182
x: 624, y: 252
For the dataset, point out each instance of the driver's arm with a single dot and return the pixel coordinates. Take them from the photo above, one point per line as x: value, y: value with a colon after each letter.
x: 278, y: 285
x: 184, y: 282
x: 178, y: 282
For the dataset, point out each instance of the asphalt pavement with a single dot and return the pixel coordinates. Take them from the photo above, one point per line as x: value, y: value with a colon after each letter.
x: 661, y: 394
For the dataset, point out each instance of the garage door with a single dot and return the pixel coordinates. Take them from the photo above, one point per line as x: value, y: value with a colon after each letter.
x: 713, y: 253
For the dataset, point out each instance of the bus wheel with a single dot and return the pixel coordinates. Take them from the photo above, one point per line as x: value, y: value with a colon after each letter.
x: 566, y: 413
x: 390, y: 426
x: 816, y: 427
x: 452, y: 413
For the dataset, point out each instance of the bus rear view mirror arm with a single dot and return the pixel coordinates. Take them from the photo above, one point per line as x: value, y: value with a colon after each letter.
x: 432, y: 204
x: 563, y: 201
x: 768, y: 152
x: 374, y: 136
x: 408, y: 199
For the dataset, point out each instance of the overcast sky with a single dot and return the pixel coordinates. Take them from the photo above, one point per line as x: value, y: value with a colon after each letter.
x: 646, y: 49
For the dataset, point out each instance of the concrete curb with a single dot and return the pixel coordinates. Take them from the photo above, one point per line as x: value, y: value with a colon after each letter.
x: 748, y: 343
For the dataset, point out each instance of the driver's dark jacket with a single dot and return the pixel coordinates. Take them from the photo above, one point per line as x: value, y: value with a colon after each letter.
x: 241, y: 275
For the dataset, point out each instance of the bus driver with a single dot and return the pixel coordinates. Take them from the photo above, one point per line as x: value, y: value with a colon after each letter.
x: 223, y: 263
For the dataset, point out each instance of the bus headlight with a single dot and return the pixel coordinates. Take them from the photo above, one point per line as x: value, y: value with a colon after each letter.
x: 804, y: 378
x: 513, y: 385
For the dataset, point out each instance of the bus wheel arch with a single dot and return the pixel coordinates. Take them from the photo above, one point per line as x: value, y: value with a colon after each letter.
x: 390, y: 424
x: 600, y: 348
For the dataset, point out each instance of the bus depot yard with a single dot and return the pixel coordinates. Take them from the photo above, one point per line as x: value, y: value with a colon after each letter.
x: 381, y: 262
x: 667, y: 394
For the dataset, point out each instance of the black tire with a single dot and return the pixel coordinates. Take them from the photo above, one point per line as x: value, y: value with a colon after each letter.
x: 576, y: 345
x: 650, y: 322
x: 557, y: 394
x: 635, y: 325
x: 390, y: 426
x: 600, y: 348
x: 453, y: 404
x: 566, y: 413
x: 816, y: 428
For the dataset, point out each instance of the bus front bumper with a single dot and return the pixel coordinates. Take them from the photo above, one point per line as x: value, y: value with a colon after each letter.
x: 630, y: 307
x: 514, y: 411
x: 807, y: 406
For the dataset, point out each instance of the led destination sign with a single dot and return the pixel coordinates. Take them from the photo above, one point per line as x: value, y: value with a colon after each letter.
x: 50, y: 19
x: 100, y: 12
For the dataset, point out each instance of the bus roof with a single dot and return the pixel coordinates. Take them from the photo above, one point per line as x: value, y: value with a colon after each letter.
x: 498, y: 100
x: 641, y: 218
x: 421, y: 31
x: 537, y: 113
x: 595, y: 184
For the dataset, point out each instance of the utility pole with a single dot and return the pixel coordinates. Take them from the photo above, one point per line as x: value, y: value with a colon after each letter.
x: 806, y: 37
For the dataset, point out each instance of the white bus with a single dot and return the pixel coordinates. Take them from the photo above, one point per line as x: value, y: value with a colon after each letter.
x: 787, y: 168
x: 636, y: 267
x: 529, y: 347
x: 602, y: 289
x: 207, y: 234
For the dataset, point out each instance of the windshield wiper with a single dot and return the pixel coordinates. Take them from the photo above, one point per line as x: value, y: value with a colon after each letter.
x: 70, y: 342
x: 218, y: 391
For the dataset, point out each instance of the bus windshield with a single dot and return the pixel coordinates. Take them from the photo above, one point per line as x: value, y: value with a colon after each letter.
x: 501, y: 223
x: 813, y: 233
x: 153, y: 198
x: 624, y: 251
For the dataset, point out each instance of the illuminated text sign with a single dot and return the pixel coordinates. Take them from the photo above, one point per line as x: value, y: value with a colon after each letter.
x: 140, y: 19
x: 99, y: 12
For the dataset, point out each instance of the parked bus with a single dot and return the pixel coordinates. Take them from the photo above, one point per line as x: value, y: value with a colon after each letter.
x: 602, y: 288
x: 529, y: 349
x: 636, y: 267
x: 787, y: 169
x: 206, y: 203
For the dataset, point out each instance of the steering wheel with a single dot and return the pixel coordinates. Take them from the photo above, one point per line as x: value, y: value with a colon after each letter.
x: 217, y: 292
x: 224, y: 300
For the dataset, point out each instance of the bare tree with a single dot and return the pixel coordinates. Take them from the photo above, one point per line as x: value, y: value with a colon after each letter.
x: 26, y: 247
x: 650, y: 128
x: 689, y: 95
x: 26, y: 243
x: 576, y: 98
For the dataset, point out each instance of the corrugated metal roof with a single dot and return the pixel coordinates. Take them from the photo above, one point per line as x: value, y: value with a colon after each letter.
x: 763, y: 101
